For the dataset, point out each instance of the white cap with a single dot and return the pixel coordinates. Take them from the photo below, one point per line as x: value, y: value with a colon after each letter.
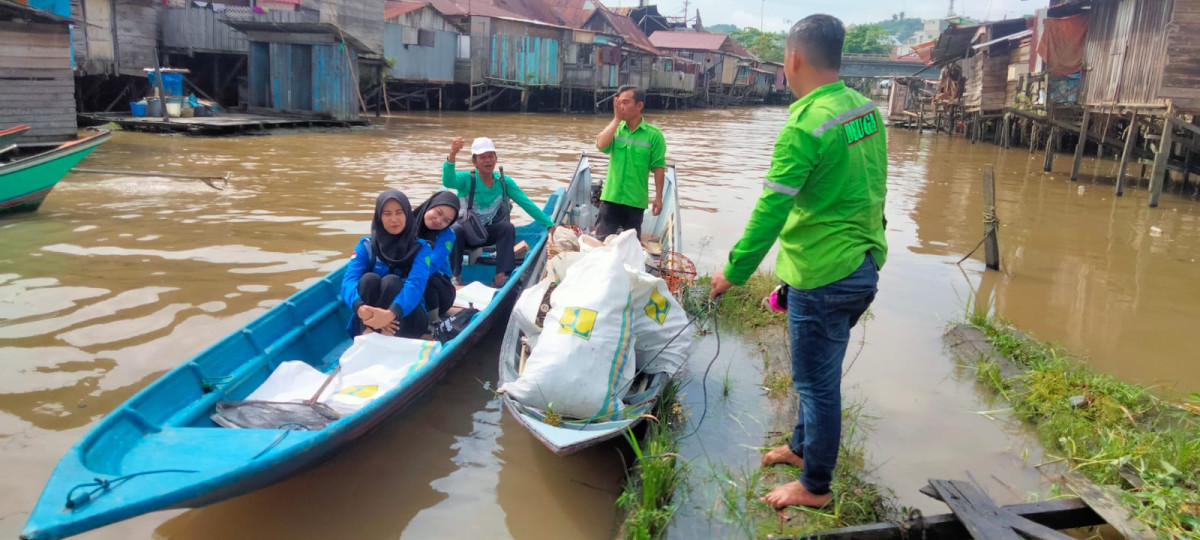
x: 482, y: 145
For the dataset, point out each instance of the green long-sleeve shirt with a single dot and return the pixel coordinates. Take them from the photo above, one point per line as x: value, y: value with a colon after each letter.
x: 486, y: 196
x: 824, y: 194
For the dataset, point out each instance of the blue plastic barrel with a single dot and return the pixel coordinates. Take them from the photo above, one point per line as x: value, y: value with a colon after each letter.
x: 138, y: 108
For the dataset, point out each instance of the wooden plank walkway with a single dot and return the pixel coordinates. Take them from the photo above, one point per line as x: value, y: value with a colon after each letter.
x: 226, y: 124
x: 975, y: 515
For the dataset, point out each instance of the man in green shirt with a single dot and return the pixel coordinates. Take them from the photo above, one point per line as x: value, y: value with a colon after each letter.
x: 636, y: 148
x: 823, y: 199
x: 494, y: 196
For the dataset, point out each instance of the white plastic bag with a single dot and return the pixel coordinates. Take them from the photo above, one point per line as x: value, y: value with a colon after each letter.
x: 584, y: 359
x: 525, y: 311
x: 372, y: 366
x: 660, y: 324
x: 293, y: 380
x: 629, y: 248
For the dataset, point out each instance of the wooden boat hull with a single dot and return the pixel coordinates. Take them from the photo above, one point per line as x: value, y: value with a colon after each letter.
x: 25, y: 183
x: 161, y: 450
x: 567, y: 439
x: 8, y: 137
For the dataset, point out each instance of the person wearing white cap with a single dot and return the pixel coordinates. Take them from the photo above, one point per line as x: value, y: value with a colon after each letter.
x: 494, y: 195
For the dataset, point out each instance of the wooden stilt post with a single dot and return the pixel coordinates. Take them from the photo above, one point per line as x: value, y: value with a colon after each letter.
x: 162, y: 94
x: 1049, y: 163
x: 920, y: 117
x: 1103, y: 136
x: 1083, y: 136
x: 991, y: 243
x: 1158, y: 174
x: 1130, y: 143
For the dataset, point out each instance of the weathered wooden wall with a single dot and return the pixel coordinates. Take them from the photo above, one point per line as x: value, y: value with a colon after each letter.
x: 1126, y: 52
x: 303, y: 77
x: 415, y: 62
x: 200, y: 30
x: 427, y: 18
x: 1018, y: 65
x: 1181, y: 78
x: 526, y: 54
x: 671, y: 81
x: 137, y: 35
x: 362, y: 19
x: 988, y: 82
x: 95, y: 49
x: 37, y: 86
x: 728, y: 70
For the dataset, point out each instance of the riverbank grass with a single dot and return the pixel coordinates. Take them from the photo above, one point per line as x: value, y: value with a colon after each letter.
x: 857, y: 500
x: 1114, y: 433
x: 648, y: 500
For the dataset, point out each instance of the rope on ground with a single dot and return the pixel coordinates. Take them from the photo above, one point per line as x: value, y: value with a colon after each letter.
x: 989, y: 218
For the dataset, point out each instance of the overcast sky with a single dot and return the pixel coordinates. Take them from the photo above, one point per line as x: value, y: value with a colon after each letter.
x: 779, y: 15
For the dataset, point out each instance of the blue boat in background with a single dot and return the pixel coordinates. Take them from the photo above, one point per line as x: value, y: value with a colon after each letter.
x: 161, y: 450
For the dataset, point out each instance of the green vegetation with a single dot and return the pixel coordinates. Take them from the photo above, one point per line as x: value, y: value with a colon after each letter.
x: 767, y: 46
x: 900, y: 27
x: 741, y: 308
x: 867, y: 39
x: 648, y: 499
x: 856, y: 500
x: 1101, y: 427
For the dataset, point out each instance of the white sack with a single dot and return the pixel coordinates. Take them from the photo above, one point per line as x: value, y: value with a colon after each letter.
x: 474, y: 294
x: 525, y: 311
x: 584, y: 359
x: 293, y: 380
x: 657, y: 318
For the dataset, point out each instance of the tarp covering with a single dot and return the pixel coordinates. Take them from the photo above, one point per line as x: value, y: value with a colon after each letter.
x: 1061, y: 44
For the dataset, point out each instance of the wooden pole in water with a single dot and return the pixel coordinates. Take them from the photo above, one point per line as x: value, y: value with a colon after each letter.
x: 1130, y: 142
x: 991, y: 243
x: 1103, y: 136
x: 162, y: 94
x: 1159, y: 173
x: 1083, y: 135
x: 1049, y: 163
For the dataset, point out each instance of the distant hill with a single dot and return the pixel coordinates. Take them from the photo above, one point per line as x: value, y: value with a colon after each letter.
x: 721, y: 28
x: 902, y: 28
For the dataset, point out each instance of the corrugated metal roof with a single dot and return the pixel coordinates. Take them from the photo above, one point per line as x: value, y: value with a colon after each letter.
x: 740, y: 50
x: 700, y: 41
x: 396, y: 9
x: 574, y: 13
x: 630, y: 31
x: 1019, y: 35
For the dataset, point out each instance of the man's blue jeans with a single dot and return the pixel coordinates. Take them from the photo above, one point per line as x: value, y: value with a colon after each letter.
x: 819, y: 323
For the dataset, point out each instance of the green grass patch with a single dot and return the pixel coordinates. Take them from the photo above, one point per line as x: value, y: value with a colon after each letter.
x: 741, y: 307
x: 1101, y: 426
x: 856, y: 501
x: 648, y: 500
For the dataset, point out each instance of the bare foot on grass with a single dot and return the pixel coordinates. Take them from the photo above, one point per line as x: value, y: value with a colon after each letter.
x: 782, y: 454
x: 794, y: 494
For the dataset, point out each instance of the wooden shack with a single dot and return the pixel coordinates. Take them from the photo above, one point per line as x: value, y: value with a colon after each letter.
x: 302, y: 69
x: 718, y: 65
x: 987, y: 70
x: 519, y: 55
x: 36, y: 83
x: 421, y: 42
x: 637, y: 55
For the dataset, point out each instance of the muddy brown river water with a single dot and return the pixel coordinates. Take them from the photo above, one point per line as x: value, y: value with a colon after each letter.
x: 117, y: 279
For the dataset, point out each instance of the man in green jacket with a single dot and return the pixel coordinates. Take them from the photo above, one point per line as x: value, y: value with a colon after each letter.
x: 823, y: 198
x: 637, y: 148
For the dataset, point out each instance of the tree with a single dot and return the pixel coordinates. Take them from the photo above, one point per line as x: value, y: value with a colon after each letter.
x: 767, y: 46
x: 867, y: 39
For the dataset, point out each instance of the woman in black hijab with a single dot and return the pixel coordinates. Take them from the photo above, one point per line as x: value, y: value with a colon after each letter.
x: 386, y: 279
x: 434, y: 218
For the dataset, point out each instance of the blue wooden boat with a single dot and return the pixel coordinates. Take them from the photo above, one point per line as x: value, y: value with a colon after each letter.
x: 161, y: 450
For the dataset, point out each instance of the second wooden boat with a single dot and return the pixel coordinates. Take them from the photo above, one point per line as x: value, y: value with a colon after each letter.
x: 24, y: 183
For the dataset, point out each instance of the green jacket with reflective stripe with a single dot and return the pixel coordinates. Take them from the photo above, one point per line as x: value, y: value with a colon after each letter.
x: 823, y: 196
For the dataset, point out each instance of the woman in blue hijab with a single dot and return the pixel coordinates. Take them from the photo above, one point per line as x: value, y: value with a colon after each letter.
x: 388, y: 273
